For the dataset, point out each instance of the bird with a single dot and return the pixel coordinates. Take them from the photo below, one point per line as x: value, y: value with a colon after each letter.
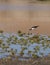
x: 34, y: 27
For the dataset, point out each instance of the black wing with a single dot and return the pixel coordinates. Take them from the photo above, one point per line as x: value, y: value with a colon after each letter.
x: 35, y: 26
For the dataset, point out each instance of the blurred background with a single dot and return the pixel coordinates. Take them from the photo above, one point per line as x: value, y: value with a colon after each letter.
x: 23, y: 14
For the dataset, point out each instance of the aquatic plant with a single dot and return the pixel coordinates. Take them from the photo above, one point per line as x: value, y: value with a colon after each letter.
x: 29, y: 52
x: 31, y: 41
x: 1, y: 31
x: 42, y: 0
x: 35, y: 56
x: 18, y: 41
x: 21, y: 34
x: 19, y: 31
x: 48, y: 36
x: 24, y: 48
x: 13, y: 52
x: 9, y: 58
x: 23, y: 41
x: 21, y: 53
x: 25, y: 44
x: 14, y: 42
x: 14, y: 37
x: 3, y: 59
x: 42, y: 54
x: 4, y: 46
x: 8, y: 40
x: 1, y: 41
x: 34, y: 39
x: 36, y: 49
x: 35, y: 36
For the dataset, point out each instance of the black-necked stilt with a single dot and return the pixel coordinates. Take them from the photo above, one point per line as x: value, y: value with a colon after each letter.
x: 34, y: 27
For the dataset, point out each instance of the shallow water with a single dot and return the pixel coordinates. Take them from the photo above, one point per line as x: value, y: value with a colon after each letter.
x: 17, y: 47
x: 14, y: 17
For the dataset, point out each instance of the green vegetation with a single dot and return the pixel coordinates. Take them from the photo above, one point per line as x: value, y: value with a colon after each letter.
x: 20, y: 33
x: 25, y: 43
x: 1, y: 31
x: 35, y: 56
x: 1, y: 41
x: 42, y: 0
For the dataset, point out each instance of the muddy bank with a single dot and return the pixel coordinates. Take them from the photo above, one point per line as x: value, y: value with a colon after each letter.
x: 38, y: 61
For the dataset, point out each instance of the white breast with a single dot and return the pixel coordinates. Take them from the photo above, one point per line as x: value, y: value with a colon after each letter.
x: 33, y: 28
